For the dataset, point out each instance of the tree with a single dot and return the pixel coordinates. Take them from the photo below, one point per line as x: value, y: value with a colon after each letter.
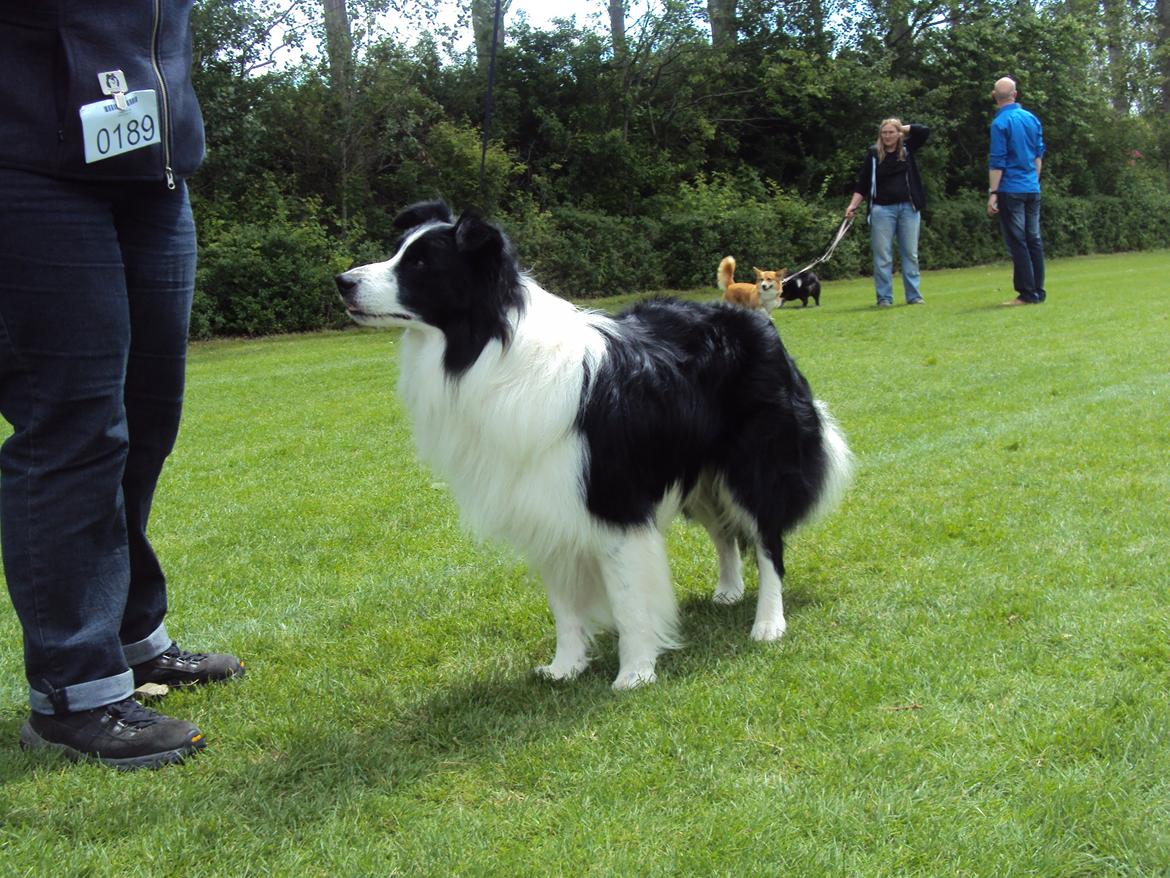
x: 338, y: 45
x: 340, y: 42
x: 240, y: 39
x: 1162, y: 50
x: 350, y: 135
x: 902, y: 22
x: 617, y: 27
x: 483, y: 23
x: 234, y: 45
x: 808, y: 22
x: 723, y: 23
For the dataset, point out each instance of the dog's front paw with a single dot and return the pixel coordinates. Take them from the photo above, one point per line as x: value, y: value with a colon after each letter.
x: 557, y: 671
x: 768, y: 630
x: 634, y: 677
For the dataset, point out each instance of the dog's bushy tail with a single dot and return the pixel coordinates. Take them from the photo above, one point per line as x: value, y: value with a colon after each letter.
x: 838, y: 465
x: 726, y: 274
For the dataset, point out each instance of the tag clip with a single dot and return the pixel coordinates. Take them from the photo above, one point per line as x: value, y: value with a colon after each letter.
x: 113, y: 83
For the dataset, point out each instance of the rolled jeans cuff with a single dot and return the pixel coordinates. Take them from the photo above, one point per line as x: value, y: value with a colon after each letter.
x: 83, y: 696
x: 151, y: 647
x: 98, y: 693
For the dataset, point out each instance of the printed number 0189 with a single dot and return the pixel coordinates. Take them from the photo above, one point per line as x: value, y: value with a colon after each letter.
x: 119, y: 138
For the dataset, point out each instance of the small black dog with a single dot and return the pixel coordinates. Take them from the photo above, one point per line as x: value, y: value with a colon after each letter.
x: 801, y: 286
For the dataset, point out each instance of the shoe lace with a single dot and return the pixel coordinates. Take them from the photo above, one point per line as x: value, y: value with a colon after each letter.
x: 128, y: 713
x: 176, y: 653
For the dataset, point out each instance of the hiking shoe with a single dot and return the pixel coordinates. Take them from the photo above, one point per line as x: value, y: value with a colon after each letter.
x: 177, y: 667
x: 123, y: 735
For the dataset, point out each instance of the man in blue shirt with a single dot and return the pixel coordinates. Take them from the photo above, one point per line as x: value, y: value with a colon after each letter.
x: 1017, y: 152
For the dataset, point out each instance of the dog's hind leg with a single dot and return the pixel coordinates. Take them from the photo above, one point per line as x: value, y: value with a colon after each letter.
x: 637, y: 582
x: 730, y: 587
x: 705, y: 506
x: 574, y: 588
x: 770, y: 624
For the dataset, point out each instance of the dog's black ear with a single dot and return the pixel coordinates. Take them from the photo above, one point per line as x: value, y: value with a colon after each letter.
x: 474, y: 233
x: 423, y: 212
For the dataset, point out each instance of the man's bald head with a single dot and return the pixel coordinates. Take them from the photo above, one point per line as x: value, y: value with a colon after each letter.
x: 1004, y: 91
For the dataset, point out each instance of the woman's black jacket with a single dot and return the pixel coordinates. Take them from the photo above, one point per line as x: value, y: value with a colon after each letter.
x: 866, y: 184
x: 51, y: 52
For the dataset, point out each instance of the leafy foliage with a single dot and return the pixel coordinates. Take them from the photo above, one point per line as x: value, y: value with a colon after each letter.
x: 641, y: 168
x: 268, y: 271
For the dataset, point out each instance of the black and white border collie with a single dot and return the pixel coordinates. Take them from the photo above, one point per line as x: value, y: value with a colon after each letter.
x: 577, y: 437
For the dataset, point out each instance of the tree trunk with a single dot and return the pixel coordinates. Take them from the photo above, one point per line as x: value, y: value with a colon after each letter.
x: 617, y: 27
x: 722, y: 15
x: 1114, y: 12
x: 483, y: 19
x: 1162, y: 50
x: 338, y: 45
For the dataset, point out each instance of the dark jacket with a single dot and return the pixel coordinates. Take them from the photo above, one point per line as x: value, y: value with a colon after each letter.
x: 51, y: 52
x: 867, y: 174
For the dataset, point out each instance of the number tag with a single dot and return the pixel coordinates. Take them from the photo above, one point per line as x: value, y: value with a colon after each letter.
x: 110, y: 131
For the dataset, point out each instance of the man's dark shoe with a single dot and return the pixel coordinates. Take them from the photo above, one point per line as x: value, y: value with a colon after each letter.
x: 123, y: 735
x: 177, y: 667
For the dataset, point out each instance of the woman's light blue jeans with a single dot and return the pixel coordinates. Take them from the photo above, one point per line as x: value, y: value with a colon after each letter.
x: 887, y: 221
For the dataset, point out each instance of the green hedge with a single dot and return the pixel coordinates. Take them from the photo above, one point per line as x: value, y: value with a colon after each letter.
x: 958, y: 233
x: 273, y: 273
x: 262, y: 276
x: 585, y: 255
x: 581, y: 255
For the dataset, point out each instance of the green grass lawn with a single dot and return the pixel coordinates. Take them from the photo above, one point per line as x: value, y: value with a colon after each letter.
x: 975, y: 678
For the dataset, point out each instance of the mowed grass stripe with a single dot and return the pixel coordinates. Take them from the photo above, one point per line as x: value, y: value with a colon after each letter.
x: 973, y: 681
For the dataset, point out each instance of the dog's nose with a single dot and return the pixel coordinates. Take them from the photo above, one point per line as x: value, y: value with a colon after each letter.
x: 346, y: 283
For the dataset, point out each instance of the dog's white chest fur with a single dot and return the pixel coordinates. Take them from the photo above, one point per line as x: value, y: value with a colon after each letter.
x: 514, y: 466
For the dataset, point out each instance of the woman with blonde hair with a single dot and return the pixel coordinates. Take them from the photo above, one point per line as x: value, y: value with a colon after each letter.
x: 888, y: 178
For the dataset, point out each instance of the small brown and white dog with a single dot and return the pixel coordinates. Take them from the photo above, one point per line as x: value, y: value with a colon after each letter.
x: 763, y: 295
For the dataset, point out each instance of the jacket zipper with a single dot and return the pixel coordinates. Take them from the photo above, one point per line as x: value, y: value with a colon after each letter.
x: 166, y: 104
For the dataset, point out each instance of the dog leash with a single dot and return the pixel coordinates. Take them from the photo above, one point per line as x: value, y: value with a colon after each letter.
x: 846, y: 225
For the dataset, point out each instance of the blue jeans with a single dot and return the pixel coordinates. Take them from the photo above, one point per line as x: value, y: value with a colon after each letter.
x: 1019, y: 220
x: 885, y: 222
x: 95, y: 297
